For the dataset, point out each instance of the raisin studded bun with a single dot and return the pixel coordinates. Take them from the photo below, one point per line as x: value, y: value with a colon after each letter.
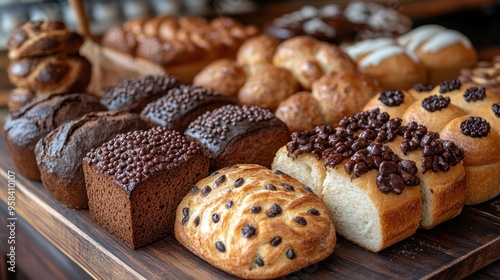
x: 24, y: 127
x: 59, y: 154
x: 466, y: 114
x: 239, y: 134
x: 380, y: 179
x: 134, y: 94
x: 180, y: 106
x: 223, y: 75
x: 136, y: 180
x: 255, y: 223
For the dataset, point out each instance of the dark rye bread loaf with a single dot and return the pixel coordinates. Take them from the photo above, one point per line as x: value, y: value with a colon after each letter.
x: 234, y: 135
x: 136, y: 180
x: 59, y: 154
x: 182, y: 105
x: 255, y: 223
x: 134, y: 94
x: 24, y: 127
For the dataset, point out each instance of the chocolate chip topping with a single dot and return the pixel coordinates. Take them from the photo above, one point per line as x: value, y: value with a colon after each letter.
x: 196, y: 221
x: 130, y: 91
x: 132, y: 157
x: 392, y: 98
x: 255, y: 209
x: 278, y: 172
x: 220, y: 180
x: 215, y: 217
x: 229, y: 204
x: 288, y: 187
x: 274, y: 211
x: 300, y: 220
x: 270, y: 187
x: 435, y: 103
x: 194, y: 189
x: 290, y: 253
x: 496, y: 109
x: 220, y: 246
x: 308, y: 189
x: 239, y: 182
x: 275, y: 241
x: 215, y: 126
x: 185, y: 214
x: 248, y: 231
x: 313, y: 212
x: 449, y: 85
x: 423, y: 87
x: 473, y: 94
x: 476, y: 127
x: 259, y: 262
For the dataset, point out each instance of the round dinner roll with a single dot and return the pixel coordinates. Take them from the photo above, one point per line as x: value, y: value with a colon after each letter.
x: 443, y: 51
x: 299, y: 112
x: 341, y: 94
x: 223, y: 75
x: 392, y: 65
x: 256, y: 53
x: 268, y: 87
x: 309, y: 59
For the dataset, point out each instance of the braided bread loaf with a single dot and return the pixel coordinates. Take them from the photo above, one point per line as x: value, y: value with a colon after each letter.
x: 255, y: 224
x: 465, y: 114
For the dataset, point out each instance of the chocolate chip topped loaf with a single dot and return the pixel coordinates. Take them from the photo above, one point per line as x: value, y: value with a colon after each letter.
x: 136, y: 180
x: 134, y: 94
x: 239, y: 134
x: 59, y: 154
x: 255, y: 223
x: 25, y: 126
x: 380, y: 179
x: 463, y: 113
x: 180, y: 106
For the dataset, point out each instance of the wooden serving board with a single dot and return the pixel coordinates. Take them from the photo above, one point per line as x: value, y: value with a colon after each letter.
x: 452, y: 250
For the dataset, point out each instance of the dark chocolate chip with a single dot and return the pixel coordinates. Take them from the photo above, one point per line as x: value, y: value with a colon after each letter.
x: 274, y: 211
x: 423, y: 87
x: 290, y: 253
x: 275, y: 241
x: 476, y: 127
x: 196, y: 221
x: 259, y: 262
x: 220, y: 180
x: 278, y: 172
x: 255, y: 209
x: 239, y: 182
x: 308, y: 189
x: 215, y: 218
x: 313, y: 212
x: 449, y: 85
x: 229, y: 204
x: 392, y: 98
x: 300, y: 220
x: 220, y: 246
x: 205, y: 191
x: 248, y: 231
x: 288, y: 187
x: 194, y: 189
x: 270, y: 187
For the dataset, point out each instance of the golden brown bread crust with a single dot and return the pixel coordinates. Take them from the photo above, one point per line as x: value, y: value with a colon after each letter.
x: 54, y: 74
x: 222, y: 75
x: 40, y: 38
x: 309, y: 59
x: 254, y: 242
x: 299, y: 112
x: 256, y: 53
x: 268, y: 87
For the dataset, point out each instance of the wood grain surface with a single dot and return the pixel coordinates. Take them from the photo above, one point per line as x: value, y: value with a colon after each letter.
x: 452, y: 250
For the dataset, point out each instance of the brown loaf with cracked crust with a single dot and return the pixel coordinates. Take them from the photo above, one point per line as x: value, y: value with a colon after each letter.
x: 182, y: 46
x: 365, y: 210
x: 228, y: 219
x: 482, y: 156
x: 59, y: 154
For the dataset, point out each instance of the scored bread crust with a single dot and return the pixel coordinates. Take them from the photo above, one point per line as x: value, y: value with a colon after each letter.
x: 310, y: 243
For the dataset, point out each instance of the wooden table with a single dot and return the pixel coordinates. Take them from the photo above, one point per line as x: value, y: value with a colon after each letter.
x: 452, y: 250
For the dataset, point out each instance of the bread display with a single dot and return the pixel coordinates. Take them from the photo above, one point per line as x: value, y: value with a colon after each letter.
x: 254, y: 223
x: 19, y: 97
x: 333, y: 96
x: 223, y: 75
x: 257, y: 53
x: 368, y: 169
x: 309, y: 59
x: 465, y: 114
x: 239, y: 134
x: 180, y: 106
x: 134, y: 94
x: 59, y: 154
x: 485, y: 73
x: 341, y: 24
x: 136, y: 180
x: 182, y: 46
x: 268, y: 87
x: 25, y: 126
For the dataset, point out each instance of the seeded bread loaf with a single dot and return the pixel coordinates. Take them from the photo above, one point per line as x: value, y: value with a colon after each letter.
x: 59, y: 154
x: 253, y: 223
x: 465, y: 114
x: 24, y: 127
x: 180, y: 106
x: 367, y: 171
x: 136, y: 180
x: 239, y: 134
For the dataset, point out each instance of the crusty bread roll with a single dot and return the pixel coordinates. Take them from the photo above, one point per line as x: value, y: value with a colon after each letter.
x: 309, y: 59
x: 392, y: 65
x: 465, y: 114
x: 223, y: 75
x: 255, y: 224
x: 257, y: 53
x: 299, y: 112
x: 54, y: 74
x: 367, y: 169
x: 443, y: 51
x: 39, y: 38
x: 268, y: 87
